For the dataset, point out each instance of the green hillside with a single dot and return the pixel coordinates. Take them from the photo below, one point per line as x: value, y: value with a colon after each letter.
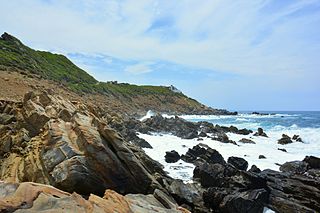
x: 13, y: 53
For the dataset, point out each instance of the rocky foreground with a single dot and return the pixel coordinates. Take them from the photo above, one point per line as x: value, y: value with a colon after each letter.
x: 62, y: 156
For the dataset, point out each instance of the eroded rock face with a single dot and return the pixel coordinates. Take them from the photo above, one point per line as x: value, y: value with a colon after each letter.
x: 54, y: 141
x: 31, y: 197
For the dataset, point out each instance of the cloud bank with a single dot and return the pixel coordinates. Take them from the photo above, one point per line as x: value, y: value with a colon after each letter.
x: 267, y: 47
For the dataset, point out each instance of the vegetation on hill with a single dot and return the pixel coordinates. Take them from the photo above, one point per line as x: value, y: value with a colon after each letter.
x: 14, y: 55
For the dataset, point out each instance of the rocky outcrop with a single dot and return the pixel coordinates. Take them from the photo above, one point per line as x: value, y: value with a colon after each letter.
x: 227, y: 187
x: 30, y: 197
x: 187, y: 130
x: 67, y: 145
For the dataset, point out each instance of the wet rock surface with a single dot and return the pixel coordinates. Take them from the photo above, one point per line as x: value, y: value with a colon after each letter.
x: 227, y: 187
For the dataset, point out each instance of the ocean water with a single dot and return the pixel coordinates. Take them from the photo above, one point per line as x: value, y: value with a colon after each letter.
x: 305, y: 124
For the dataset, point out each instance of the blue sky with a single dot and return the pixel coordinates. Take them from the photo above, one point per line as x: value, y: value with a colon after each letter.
x: 238, y: 55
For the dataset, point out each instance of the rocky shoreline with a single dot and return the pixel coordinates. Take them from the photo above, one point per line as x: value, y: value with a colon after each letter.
x: 60, y: 155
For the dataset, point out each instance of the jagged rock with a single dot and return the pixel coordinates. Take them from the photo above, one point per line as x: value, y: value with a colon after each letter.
x: 291, y: 192
x: 297, y: 138
x: 209, y: 174
x: 262, y: 157
x: 285, y: 140
x: 313, y: 162
x: 245, y: 140
x: 188, y: 194
x: 239, y: 163
x: 260, y: 133
x: 251, y: 201
x: 202, y: 154
x: 32, y: 197
x: 254, y: 169
x: 202, y: 134
x: 78, y: 153
x: 296, y: 167
x: 172, y: 156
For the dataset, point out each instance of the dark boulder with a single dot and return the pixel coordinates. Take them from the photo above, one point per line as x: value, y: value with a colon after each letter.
x: 239, y: 163
x: 260, y: 132
x: 203, y: 154
x: 210, y: 175
x: 202, y: 134
x: 297, y: 138
x: 172, y: 156
x: 313, y: 162
x: 254, y: 169
x: 294, y: 167
x: 188, y: 195
x: 284, y: 140
x: 262, y: 157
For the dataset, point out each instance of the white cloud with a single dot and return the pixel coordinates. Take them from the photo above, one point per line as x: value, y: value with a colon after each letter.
x: 228, y: 36
x: 140, y: 68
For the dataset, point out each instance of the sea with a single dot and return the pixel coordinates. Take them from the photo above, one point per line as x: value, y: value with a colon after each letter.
x: 274, y: 124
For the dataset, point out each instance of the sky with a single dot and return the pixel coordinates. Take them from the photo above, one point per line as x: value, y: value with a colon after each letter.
x: 237, y: 55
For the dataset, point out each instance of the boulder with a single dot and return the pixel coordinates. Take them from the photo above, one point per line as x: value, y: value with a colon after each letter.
x: 254, y: 169
x: 200, y: 153
x: 239, y: 163
x: 209, y: 174
x: 262, y: 157
x: 202, y: 134
x: 297, y: 138
x: 284, y: 140
x: 312, y: 161
x: 260, y: 132
x: 294, y: 167
x: 172, y: 156
x: 188, y: 194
